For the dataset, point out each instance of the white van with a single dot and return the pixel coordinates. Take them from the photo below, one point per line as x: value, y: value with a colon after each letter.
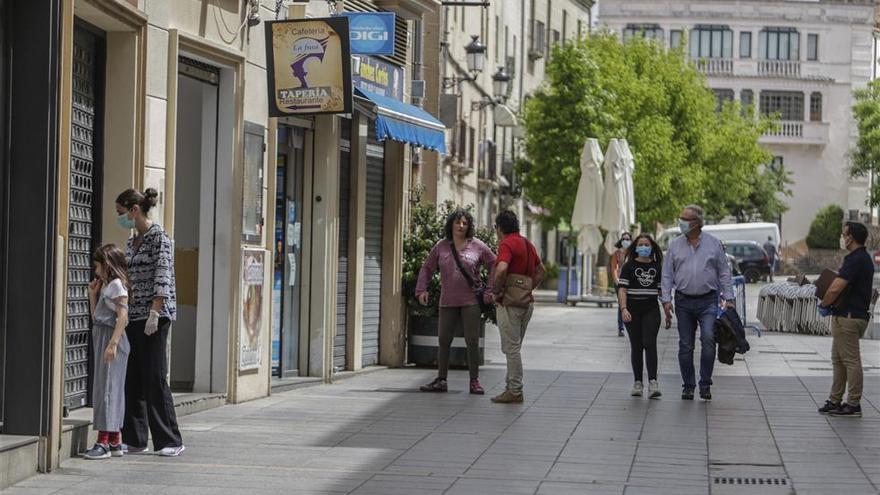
x: 756, y: 231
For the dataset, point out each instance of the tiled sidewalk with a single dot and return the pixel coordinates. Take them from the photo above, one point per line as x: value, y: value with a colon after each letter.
x: 579, y: 432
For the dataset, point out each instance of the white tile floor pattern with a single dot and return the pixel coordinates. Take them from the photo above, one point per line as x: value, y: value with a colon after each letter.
x: 578, y: 432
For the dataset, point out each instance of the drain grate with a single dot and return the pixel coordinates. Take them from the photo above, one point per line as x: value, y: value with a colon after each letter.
x: 731, y: 480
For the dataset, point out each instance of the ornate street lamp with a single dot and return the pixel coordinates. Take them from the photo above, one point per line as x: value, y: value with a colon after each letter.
x: 476, y: 55
x: 500, y: 81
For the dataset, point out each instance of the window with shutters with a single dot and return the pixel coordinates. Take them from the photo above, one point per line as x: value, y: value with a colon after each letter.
x: 471, y: 158
x: 461, y: 149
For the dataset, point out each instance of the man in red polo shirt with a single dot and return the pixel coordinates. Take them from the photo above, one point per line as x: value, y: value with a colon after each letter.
x: 516, y: 256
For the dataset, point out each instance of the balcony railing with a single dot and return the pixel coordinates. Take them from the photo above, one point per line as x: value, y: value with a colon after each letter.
x: 797, y: 132
x: 715, y: 66
x: 779, y: 68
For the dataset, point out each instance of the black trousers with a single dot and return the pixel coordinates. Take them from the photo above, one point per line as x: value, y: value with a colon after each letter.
x: 642, y: 331
x: 148, y: 403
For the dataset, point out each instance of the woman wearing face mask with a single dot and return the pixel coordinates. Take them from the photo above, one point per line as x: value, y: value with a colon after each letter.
x: 152, y: 307
x: 617, y: 258
x: 638, y: 290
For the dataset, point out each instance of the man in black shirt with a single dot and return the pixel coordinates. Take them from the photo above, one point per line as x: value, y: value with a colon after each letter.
x: 847, y: 300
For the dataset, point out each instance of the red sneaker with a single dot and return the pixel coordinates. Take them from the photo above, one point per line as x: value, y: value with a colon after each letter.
x: 476, y: 388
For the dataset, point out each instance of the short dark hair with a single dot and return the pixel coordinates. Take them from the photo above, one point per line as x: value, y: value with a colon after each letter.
x: 507, y: 222
x: 453, y: 217
x: 857, y: 231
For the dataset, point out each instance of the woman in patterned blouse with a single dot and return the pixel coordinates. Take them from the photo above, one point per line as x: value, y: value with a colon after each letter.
x: 152, y: 308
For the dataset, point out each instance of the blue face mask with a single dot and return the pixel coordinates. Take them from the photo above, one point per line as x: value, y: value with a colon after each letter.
x: 644, y: 251
x: 684, y: 225
x: 125, y: 222
x: 625, y: 243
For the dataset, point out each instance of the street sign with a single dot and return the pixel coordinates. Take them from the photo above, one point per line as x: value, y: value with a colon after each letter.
x: 372, y: 33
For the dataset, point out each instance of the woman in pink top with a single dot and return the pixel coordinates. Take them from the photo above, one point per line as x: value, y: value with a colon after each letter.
x: 458, y: 301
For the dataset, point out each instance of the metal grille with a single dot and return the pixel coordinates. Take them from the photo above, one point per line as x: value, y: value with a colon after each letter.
x: 400, y: 30
x: 730, y: 480
x: 82, y: 205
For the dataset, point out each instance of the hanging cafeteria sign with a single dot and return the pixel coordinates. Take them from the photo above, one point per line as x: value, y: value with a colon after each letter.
x: 372, y: 33
x: 309, y: 66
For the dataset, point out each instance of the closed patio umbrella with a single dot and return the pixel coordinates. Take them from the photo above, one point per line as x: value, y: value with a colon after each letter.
x: 629, y: 171
x: 587, y: 215
x: 614, y: 214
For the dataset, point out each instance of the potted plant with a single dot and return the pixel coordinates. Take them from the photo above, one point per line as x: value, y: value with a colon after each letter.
x: 425, y: 231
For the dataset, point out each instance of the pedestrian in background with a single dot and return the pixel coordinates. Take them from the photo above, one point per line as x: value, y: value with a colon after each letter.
x: 148, y: 401
x: 108, y: 302
x: 459, y: 257
x: 772, y: 255
x: 616, y: 262
x: 639, y: 288
x: 847, y: 301
x: 518, y: 271
x: 696, y: 268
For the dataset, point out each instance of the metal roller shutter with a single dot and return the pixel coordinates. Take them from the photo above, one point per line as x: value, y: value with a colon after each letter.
x: 83, y: 209
x: 373, y: 252
x: 339, y: 342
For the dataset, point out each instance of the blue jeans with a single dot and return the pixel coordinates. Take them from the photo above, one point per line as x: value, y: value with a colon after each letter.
x: 690, y: 312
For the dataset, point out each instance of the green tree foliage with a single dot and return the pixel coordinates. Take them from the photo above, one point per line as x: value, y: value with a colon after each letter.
x: 866, y: 156
x: 826, y: 228
x: 685, y: 151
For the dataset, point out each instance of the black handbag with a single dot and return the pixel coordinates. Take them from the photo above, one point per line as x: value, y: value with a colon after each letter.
x: 487, y: 309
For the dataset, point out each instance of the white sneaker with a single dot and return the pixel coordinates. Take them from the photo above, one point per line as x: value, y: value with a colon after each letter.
x: 654, y: 390
x: 172, y: 451
x: 637, y: 389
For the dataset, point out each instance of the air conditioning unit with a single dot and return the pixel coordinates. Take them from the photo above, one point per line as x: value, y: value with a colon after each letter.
x: 418, y: 89
x: 449, y: 113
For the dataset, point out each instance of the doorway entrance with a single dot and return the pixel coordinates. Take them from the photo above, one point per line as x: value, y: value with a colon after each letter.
x: 287, y: 285
x: 199, y: 353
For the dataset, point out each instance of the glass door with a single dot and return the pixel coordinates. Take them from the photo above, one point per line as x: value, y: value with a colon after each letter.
x: 288, y: 253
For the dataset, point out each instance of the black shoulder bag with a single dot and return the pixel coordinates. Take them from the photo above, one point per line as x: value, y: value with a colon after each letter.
x: 487, y: 309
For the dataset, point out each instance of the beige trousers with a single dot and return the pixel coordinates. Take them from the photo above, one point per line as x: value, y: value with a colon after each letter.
x: 846, y: 358
x: 512, y: 324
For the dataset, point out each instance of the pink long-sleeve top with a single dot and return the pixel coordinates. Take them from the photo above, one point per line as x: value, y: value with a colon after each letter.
x: 454, y: 289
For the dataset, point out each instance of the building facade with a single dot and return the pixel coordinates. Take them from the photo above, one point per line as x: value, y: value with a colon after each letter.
x: 800, y: 60
x: 287, y: 232
x: 483, y: 136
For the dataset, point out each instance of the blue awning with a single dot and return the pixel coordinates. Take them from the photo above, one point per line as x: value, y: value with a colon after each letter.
x: 407, y: 123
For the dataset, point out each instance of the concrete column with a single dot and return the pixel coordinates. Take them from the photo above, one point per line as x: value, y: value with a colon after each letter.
x: 324, y: 251
x: 431, y: 162
x: 356, y: 241
x: 392, y: 330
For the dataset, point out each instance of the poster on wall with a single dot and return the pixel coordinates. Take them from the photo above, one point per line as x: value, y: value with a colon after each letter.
x: 309, y: 66
x: 251, y: 344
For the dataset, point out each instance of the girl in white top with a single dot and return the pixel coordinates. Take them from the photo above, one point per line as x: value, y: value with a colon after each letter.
x: 108, y: 300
